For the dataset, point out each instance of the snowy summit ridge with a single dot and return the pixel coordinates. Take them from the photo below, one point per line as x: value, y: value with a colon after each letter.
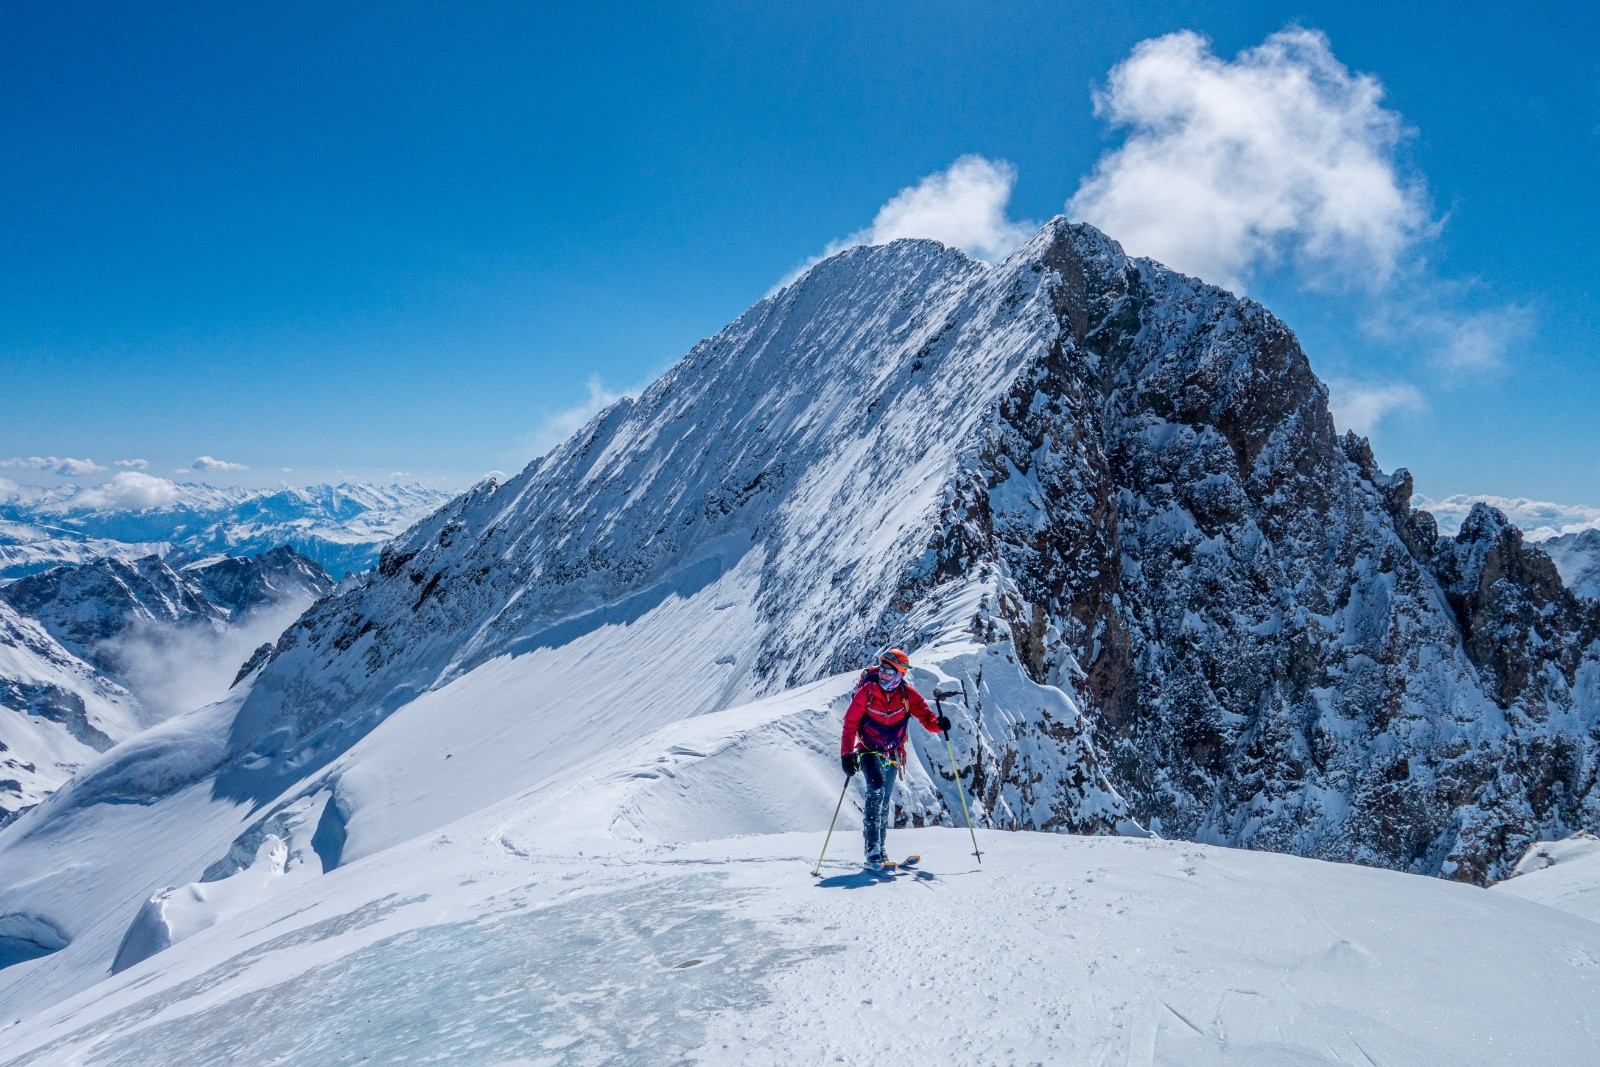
x: 1104, y: 500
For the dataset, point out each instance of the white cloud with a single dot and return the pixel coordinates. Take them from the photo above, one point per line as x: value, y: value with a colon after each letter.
x: 211, y: 463
x: 173, y: 669
x: 133, y: 464
x: 1538, y: 519
x: 964, y: 206
x: 1363, y: 406
x: 1229, y: 167
x: 1431, y: 318
x: 128, y: 491
x: 555, y: 427
x: 65, y: 466
x: 9, y: 490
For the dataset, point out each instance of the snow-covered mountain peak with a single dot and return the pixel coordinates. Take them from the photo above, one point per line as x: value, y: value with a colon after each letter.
x: 1103, y: 502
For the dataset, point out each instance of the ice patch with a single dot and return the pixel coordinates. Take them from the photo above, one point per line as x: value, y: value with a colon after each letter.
x: 627, y: 976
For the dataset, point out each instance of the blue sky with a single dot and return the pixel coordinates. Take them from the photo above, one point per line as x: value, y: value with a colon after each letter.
x: 332, y: 240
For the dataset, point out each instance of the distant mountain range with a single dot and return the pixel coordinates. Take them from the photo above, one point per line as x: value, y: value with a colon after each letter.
x: 341, y: 527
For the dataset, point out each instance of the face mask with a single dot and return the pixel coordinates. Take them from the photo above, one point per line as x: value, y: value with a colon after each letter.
x: 888, y: 677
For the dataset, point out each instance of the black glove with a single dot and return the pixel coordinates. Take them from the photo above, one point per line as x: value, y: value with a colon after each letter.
x: 849, y: 763
x: 944, y: 724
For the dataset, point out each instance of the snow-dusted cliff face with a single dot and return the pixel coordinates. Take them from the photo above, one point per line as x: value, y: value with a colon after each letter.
x: 56, y: 713
x: 341, y: 527
x: 241, y: 585
x: 1102, y: 499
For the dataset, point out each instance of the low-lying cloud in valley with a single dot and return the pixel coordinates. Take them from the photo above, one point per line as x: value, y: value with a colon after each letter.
x: 173, y: 669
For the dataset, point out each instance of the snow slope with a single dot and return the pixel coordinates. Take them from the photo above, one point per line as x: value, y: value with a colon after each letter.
x: 1577, y: 556
x: 1563, y: 874
x: 607, y: 915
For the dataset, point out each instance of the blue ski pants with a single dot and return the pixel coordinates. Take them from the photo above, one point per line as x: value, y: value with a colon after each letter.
x: 879, y: 772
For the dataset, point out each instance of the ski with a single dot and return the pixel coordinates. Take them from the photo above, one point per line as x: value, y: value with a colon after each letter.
x: 893, y: 868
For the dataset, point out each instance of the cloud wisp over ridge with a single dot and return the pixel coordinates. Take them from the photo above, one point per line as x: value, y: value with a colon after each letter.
x: 1282, y: 154
x: 556, y: 426
x: 966, y: 205
x: 1282, y: 158
x: 1363, y: 406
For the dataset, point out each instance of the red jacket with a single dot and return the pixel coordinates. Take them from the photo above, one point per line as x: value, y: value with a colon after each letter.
x: 878, y: 718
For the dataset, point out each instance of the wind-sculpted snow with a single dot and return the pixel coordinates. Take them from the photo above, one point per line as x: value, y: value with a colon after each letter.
x: 568, y: 984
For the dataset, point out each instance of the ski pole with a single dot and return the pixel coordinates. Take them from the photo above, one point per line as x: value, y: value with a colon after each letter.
x: 960, y: 789
x: 818, y: 872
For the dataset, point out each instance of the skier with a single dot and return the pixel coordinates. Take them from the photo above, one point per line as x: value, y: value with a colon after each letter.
x: 874, y: 740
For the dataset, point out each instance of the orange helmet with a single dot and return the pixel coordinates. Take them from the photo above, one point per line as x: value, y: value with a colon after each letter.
x: 897, y: 659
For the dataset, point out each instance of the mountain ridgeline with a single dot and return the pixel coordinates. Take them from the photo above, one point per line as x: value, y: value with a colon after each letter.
x: 1137, y: 477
